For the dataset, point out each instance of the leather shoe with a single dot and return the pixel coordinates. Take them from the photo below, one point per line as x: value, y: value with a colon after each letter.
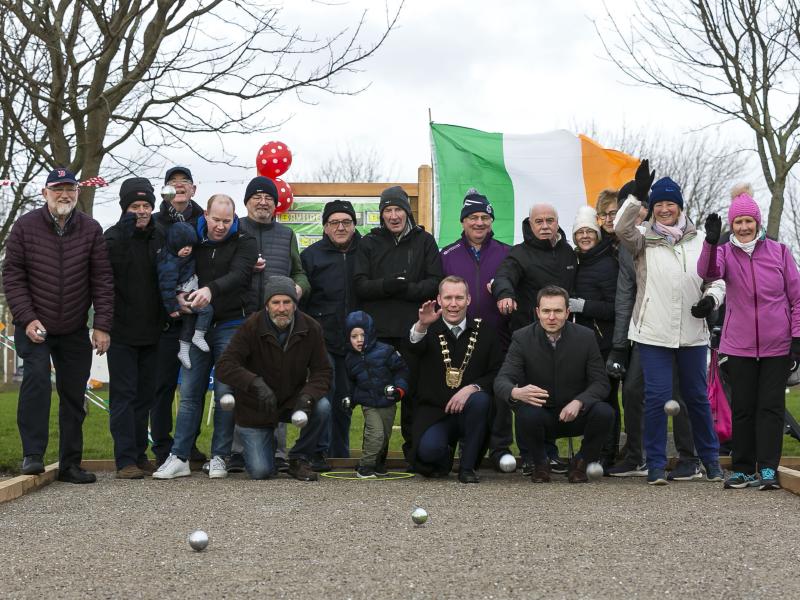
x: 541, y: 473
x: 301, y: 470
x: 74, y: 474
x: 32, y: 464
x: 147, y: 467
x: 468, y: 476
x: 130, y: 472
x: 577, y: 471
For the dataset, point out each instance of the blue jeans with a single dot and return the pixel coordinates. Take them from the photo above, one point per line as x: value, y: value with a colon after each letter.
x: 259, y: 442
x: 194, y: 384
x: 657, y: 364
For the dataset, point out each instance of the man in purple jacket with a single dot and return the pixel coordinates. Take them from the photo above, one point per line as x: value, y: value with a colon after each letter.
x: 56, y: 267
x: 475, y: 257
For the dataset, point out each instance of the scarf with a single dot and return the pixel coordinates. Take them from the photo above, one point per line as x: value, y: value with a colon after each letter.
x: 673, y: 233
x: 748, y: 246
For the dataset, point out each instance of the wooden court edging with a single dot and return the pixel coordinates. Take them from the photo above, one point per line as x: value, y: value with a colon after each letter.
x: 789, y: 479
x: 24, y: 484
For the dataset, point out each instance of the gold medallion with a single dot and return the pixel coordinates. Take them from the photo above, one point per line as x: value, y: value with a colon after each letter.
x: 452, y: 377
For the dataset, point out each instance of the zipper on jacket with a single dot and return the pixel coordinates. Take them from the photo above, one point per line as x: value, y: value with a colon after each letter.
x: 755, y: 305
x: 644, y: 310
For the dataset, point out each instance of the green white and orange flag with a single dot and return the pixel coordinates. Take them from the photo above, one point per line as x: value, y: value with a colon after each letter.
x: 517, y: 171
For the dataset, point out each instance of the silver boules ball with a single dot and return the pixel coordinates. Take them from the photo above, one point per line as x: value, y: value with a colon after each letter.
x: 42, y: 333
x: 594, y: 471
x: 507, y: 463
x: 168, y: 193
x: 672, y: 408
x: 227, y: 402
x: 388, y: 391
x: 198, y: 540
x: 419, y: 516
x: 346, y: 403
x: 299, y: 418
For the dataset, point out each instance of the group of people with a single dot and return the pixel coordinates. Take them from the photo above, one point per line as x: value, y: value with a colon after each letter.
x: 480, y: 343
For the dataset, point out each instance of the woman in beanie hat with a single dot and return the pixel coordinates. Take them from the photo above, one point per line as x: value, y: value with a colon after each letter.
x: 592, y: 303
x: 760, y: 336
x: 669, y: 319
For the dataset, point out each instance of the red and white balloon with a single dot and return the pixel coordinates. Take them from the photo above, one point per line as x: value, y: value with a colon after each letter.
x: 285, y: 196
x: 273, y: 159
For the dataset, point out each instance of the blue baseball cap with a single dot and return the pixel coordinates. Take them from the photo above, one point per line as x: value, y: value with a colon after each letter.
x: 60, y: 175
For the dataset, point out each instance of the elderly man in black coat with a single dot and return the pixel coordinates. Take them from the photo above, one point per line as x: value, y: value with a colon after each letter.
x: 459, y: 360
x: 555, y: 379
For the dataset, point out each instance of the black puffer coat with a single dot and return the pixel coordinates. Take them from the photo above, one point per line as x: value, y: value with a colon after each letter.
x: 596, y: 283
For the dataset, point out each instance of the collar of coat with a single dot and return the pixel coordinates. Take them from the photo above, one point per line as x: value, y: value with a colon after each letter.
x: 299, y: 330
x: 531, y: 240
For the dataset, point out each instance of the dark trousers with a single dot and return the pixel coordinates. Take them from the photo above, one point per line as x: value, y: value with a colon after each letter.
x: 437, y: 444
x: 759, y: 402
x: 131, y: 390
x: 409, y: 400
x: 72, y: 359
x: 502, y: 436
x: 339, y: 435
x: 166, y: 378
x: 538, y: 424
x: 633, y: 403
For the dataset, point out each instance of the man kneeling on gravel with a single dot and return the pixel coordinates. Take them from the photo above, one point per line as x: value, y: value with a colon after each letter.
x: 277, y: 364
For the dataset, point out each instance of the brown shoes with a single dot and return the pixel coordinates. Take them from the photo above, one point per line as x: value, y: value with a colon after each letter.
x: 541, y: 473
x: 147, y: 467
x: 301, y: 470
x: 577, y: 471
x: 130, y: 472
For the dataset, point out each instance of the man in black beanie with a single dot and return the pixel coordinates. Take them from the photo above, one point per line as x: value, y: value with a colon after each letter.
x: 397, y: 269
x: 329, y: 264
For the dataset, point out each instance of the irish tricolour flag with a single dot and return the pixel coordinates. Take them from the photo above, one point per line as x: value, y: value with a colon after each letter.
x: 517, y: 171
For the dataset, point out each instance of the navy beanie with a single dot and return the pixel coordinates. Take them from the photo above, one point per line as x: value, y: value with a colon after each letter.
x: 135, y: 189
x: 261, y: 185
x: 476, y: 202
x: 338, y: 206
x: 395, y: 196
x: 665, y: 190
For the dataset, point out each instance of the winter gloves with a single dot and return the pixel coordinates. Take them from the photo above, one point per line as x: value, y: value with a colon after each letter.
x: 795, y: 351
x: 393, y: 286
x: 127, y: 225
x: 617, y: 363
x: 267, y: 402
x: 305, y: 403
x: 644, y: 181
x: 703, y: 308
x: 713, y: 228
x: 576, y: 305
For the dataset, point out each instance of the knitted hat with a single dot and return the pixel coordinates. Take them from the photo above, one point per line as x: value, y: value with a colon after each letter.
x: 586, y: 217
x: 261, y: 185
x: 475, y: 202
x: 179, y: 235
x: 743, y: 204
x: 337, y: 206
x: 279, y: 284
x: 395, y: 196
x: 184, y: 170
x: 665, y: 190
x: 135, y: 189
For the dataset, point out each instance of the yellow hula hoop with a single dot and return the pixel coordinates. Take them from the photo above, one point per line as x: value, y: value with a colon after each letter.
x: 351, y: 476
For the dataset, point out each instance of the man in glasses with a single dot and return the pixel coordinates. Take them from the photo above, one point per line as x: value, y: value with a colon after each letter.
x: 56, y: 267
x: 329, y: 265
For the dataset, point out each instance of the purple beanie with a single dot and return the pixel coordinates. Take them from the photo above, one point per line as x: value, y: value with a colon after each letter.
x: 744, y: 205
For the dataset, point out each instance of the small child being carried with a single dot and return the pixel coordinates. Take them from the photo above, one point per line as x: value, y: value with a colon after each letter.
x: 177, y: 277
x: 378, y: 377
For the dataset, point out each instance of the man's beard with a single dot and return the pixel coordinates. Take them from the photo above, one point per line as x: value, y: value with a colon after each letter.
x: 281, y: 321
x: 63, y: 210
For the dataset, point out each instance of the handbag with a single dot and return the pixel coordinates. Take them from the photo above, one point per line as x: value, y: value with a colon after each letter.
x: 720, y: 409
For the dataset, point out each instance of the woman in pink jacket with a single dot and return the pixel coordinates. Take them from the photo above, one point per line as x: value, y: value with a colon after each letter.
x: 760, y: 335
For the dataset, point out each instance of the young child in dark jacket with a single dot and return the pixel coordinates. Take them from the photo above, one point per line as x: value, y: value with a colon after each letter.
x: 378, y: 376
x: 177, y: 277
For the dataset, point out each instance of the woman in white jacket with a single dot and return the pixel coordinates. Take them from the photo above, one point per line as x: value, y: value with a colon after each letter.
x: 668, y: 322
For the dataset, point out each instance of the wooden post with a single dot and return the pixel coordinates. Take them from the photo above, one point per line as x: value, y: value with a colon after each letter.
x: 425, y: 197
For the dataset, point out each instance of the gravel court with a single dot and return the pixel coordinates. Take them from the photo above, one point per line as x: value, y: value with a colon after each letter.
x: 504, y: 538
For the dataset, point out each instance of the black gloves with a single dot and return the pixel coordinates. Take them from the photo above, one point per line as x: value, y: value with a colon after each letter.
x: 644, y: 181
x: 304, y: 402
x: 393, y: 286
x: 703, y: 308
x: 267, y: 402
x: 617, y: 363
x: 713, y: 228
x: 127, y: 225
x: 795, y: 351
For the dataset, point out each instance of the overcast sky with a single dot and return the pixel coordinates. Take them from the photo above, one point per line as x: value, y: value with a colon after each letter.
x: 509, y: 66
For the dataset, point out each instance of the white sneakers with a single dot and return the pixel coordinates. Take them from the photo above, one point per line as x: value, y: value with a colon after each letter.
x: 217, y: 468
x: 173, y: 467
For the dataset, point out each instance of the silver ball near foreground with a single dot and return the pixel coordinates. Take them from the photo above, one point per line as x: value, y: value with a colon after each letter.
x: 299, y: 418
x: 507, y: 463
x: 419, y: 516
x: 198, y: 540
x: 168, y: 193
x: 346, y: 403
x: 388, y: 391
x: 594, y: 471
x: 227, y: 402
x: 672, y: 408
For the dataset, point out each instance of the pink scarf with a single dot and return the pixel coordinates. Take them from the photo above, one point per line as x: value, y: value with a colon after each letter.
x: 673, y: 233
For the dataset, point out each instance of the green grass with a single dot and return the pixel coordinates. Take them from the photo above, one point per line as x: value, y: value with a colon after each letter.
x: 97, y: 439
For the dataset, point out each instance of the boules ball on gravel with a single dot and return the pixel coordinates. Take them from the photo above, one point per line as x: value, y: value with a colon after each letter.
x: 594, y: 471
x: 198, y: 540
x: 419, y: 516
x: 507, y: 463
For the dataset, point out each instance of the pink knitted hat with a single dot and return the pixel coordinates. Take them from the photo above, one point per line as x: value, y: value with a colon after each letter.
x: 743, y: 204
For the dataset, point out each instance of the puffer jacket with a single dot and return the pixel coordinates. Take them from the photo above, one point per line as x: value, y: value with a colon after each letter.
x: 667, y: 283
x: 763, y: 297
x: 174, y: 270
x: 56, y: 278
x: 375, y: 367
x: 596, y: 283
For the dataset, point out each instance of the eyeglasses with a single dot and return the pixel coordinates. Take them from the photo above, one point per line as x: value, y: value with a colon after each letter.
x: 478, y: 218
x: 612, y: 214
x: 584, y: 231
x: 63, y: 190
x: 343, y: 223
x: 179, y: 181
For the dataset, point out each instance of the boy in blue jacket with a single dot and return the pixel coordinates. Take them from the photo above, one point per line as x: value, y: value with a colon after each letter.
x: 379, y: 378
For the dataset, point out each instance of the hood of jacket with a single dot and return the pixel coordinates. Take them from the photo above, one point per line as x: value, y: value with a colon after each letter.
x: 360, y: 319
x: 202, y: 231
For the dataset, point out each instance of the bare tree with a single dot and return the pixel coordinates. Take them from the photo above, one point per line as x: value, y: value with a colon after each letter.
x: 83, y: 83
x: 352, y: 166
x: 698, y: 162
x: 740, y: 58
